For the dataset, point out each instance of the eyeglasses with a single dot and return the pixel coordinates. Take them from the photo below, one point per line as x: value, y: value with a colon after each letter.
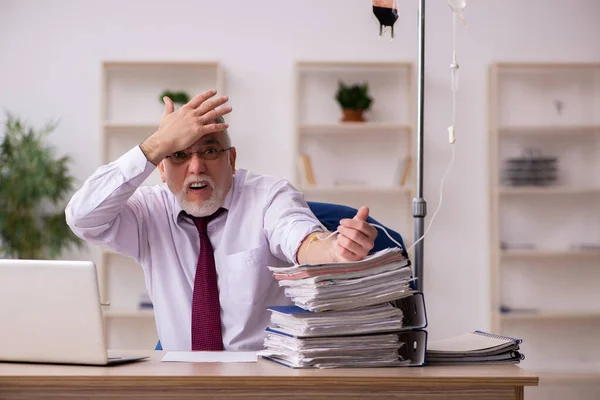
x: 206, y: 153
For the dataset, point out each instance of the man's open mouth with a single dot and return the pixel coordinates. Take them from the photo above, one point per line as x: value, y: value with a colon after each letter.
x: 196, y: 186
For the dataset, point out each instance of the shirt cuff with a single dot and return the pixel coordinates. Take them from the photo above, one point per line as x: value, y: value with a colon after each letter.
x: 135, y: 166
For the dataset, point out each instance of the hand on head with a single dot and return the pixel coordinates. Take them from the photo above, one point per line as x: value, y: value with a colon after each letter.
x: 182, y: 128
x: 356, y: 237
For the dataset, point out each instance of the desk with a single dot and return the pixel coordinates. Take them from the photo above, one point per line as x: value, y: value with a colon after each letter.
x: 152, y: 379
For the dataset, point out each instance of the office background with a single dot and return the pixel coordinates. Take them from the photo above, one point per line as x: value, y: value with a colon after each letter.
x: 51, y: 53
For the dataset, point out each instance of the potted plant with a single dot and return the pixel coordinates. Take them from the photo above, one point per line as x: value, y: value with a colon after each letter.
x: 354, y: 101
x: 33, y: 184
x: 178, y: 98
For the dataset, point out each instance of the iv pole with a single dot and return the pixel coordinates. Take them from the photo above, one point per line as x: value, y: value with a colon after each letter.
x: 419, y: 204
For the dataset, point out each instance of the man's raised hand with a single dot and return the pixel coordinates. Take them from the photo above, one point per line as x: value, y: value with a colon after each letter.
x: 182, y: 128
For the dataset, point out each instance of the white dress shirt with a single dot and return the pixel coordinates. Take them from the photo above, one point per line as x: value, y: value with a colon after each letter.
x: 266, y: 221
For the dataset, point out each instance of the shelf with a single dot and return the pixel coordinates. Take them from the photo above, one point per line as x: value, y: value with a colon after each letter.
x: 549, y: 316
x: 545, y: 66
x: 130, y: 112
x: 160, y: 63
x: 109, y: 251
x: 353, y: 127
x: 128, y: 313
x: 130, y: 125
x: 348, y: 64
x: 349, y: 190
x: 533, y: 190
x: 562, y: 130
x: 540, y: 254
x: 544, y: 265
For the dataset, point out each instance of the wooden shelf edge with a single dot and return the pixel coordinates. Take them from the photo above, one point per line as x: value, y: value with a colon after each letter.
x: 353, y: 63
x: 108, y: 251
x: 549, y: 64
x: 130, y: 125
x: 548, y: 253
x: 548, y: 316
x: 533, y: 190
x: 343, y: 127
x: 548, y: 129
x: 128, y: 313
x: 161, y: 63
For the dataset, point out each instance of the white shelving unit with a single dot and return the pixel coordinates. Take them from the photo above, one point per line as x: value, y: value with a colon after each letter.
x: 545, y: 269
x: 357, y: 163
x: 549, y: 254
x: 131, y: 111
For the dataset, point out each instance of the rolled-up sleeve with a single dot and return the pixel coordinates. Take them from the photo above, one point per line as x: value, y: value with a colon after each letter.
x: 288, y: 220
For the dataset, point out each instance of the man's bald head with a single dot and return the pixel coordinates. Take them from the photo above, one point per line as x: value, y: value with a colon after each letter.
x: 226, y: 139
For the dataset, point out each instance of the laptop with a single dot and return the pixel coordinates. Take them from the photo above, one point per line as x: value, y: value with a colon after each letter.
x: 50, y: 312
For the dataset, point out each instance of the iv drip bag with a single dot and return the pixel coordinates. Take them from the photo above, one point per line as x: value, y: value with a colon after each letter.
x: 386, y: 12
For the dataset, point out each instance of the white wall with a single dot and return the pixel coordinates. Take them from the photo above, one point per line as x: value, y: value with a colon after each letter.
x: 50, y: 55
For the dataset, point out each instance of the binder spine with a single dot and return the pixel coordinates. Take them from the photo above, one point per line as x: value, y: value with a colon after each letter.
x: 500, y: 337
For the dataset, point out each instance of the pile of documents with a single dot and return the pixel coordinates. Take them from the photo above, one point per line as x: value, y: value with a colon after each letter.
x: 381, y: 277
x: 356, y: 314
x: 334, y: 352
x: 475, y: 347
x: 295, y: 321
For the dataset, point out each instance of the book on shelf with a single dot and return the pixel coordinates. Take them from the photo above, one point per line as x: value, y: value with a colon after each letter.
x: 306, y: 169
x: 475, y: 347
x: 144, y: 302
x: 403, y: 170
x: 351, y: 314
x: 504, y: 309
x: 585, y: 246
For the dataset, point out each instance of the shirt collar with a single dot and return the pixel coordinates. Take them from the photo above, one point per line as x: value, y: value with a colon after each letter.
x: 178, y: 212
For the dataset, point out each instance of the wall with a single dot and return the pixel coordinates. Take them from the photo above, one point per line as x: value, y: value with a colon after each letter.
x: 50, y: 67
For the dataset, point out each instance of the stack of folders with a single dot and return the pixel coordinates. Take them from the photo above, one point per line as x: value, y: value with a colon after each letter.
x: 357, y: 314
x: 475, y: 348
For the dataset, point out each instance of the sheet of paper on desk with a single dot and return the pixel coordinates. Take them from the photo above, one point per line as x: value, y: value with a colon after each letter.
x: 210, y: 356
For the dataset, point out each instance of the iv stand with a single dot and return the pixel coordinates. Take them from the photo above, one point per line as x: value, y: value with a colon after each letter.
x: 419, y: 204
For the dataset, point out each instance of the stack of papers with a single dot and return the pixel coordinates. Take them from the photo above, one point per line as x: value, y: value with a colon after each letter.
x: 334, y: 352
x: 295, y: 321
x: 346, y: 314
x: 381, y: 277
x: 475, y: 348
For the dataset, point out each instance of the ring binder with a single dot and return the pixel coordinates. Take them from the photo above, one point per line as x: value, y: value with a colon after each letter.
x: 499, y: 337
x: 355, y: 314
x: 474, y: 348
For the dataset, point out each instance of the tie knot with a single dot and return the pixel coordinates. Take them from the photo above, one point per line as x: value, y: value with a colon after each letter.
x: 202, y: 222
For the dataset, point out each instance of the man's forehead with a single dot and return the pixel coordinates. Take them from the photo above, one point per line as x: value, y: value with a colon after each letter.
x: 211, y: 138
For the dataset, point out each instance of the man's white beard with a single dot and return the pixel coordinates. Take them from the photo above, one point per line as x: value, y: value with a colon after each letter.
x: 207, y: 207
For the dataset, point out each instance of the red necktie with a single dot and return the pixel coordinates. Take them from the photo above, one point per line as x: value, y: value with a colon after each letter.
x: 206, y: 309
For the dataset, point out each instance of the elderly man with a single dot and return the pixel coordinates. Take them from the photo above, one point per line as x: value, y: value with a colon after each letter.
x: 205, y: 240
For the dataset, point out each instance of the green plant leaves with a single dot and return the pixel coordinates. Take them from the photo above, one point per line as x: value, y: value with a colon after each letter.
x: 33, y: 181
x: 176, y: 97
x: 355, y: 97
